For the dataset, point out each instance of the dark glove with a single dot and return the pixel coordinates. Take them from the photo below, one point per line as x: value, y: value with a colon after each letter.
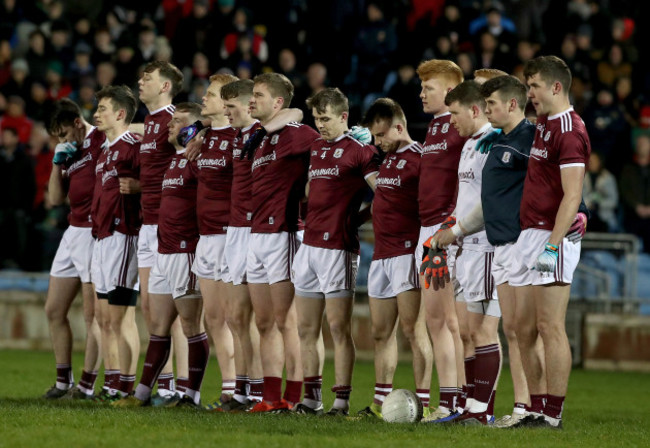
x: 253, y: 143
x: 189, y: 132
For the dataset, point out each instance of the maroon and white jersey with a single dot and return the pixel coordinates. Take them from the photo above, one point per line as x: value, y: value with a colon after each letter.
x: 117, y: 211
x: 215, y: 180
x: 395, y: 206
x: 155, y: 154
x: 81, y: 176
x: 561, y: 141
x: 178, y: 229
x: 241, y: 207
x: 439, y: 170
x: 337, y: 185
x: 97, y: 190
x: 279, y: 178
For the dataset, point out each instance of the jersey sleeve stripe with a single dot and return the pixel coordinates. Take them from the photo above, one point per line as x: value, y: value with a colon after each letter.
x: 370, y: 174
x: 570, y: 165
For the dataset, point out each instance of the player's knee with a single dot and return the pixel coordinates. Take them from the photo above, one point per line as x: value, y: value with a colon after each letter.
x: 549, y: 330
x: 340, y: 331
x: 308, y: 332
x: 264, y: 325
x: 510, y: 331
x: 526, y: 334
x: 54, y: 313
x: 408, y: 329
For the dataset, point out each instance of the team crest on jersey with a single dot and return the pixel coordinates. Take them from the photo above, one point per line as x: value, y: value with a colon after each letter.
x: 223, y: 145
x: 245, y: 138
x: 182, y: 163
x: 156, y: 128
x: 86, y: 143
x: 338, y: 153
x: 506, y: 157
x: 183, y: 244
x: 400, y: 164
x: 314, y: 153
x: 275, y: 139
x: 547, y: 136
x: 172, y: 165
x: 445, y: 128
x: 115, y: 154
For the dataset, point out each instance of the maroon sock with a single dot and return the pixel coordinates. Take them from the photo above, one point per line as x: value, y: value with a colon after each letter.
x: 314, y: 388
x: 182, y: 383
x: 381, y: 392
x: 554, y: 406
x: 469, y: 376
x: 166, y: 381
x: 64, y: 374
x: 198, y: 353
x: 448, y: 397
x: 257, y: 389
x: 292, y: 391
x: 272, y: 388
x: 155, y: 359
x: 342, y: 392
x: 126, y: 384
x: 111, y: 379
x: 242, y: 385
x: 537, y: 403
x: 461, y: 396
x: 490, y: 408
x: 486, y: 371
x: 424, y: 396
x: 87, y: 380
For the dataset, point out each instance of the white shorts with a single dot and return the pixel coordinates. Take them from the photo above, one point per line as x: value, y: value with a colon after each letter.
x: 474, y: 273
x: 529, y: 246
x: 75, y: 253
x: 270, y: 256
x: 502, y: 263
x: 172, y: 274
x: 233, y: 264
x: 115, y: 263
x: 390, y: 276
x: 209, y: 256
x: 324, y: 273
x: 485, y: 307
x: 147, y: 245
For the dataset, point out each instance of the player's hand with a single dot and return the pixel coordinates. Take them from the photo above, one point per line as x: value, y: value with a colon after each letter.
x: 63, y: 152
x: 253, y: 143
x: 578, y: 228
x: 484, y: 145
x: 444, y: 237
x: 548, y: 259
x: 129, y: 185
x: 188, y: 133
x: 361, y: 134
x: 434, y: 267
x: 193, y: 149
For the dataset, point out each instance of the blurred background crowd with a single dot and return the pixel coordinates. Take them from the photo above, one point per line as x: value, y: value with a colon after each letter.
x: 50, y: 49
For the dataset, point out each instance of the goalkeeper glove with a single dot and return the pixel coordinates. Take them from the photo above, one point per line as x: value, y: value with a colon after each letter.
x: 484, y: 145
x: 253, y: 143
x: 448, y: 223
x: 548, y: 259
x: 434, y: 266
x: 64, y: 152
x: 578, y: 228
x: 189, y: 132
x: 361, y: 134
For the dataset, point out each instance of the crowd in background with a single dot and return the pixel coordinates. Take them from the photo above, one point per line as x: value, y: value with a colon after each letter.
x: 50, y: 49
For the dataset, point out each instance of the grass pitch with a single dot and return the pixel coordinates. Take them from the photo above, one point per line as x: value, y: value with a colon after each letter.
x: 603, y: 409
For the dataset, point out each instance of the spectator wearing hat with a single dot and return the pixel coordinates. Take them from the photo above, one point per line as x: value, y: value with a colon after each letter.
x: 19, y: 83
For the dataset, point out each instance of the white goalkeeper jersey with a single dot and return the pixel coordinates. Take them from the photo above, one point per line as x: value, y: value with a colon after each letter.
x: 470, y: 176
